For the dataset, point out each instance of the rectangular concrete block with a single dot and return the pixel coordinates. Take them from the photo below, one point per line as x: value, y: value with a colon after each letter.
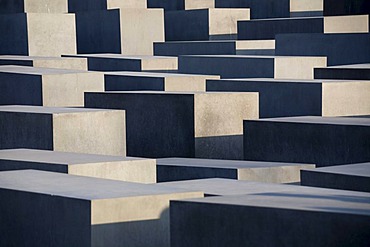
x: 127, y: 31
x: 231, y: 187
x: 346, y: 24
x: 251, y: 66
x: 285, y: 98
x: 259, y: 8
x: 203, y: 24
x: 117, y: 62
x: 344, y: 72
x: 340, y: 49
x: 127, y: 81
x: 45, y: 62
x: 345, y: 177
x: 176, y: 169
x: 75, y: 130
x: 68, y: 210
x: 291, y: 218
x: 22, y: 85
x: 91, y: 5
x: 181, y: 4
x: 268, y: 28
x: 315, y: 140
x: 37, y: 34
x: 174, y: 124
x: 214, y: 47
x: 305, y: 8
x: 91, y: 165
x: 31, y: 6
x: 346, y: 7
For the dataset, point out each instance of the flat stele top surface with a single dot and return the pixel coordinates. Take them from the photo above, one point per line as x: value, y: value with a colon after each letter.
x: 360, y: 170
x: 47, y: 110
x: 32, y: 58
x: 79, y: 187
x: 120, y: 56
x: 38, y: 71
x: 295, y: 198
x: 319, y: 120
x: 350, y: 66
x: 272, y: 80
x: 224, y: 187
x: 156, y: 75
x: 55, y: 157
x: 171, y: 93
x: 222, y: 164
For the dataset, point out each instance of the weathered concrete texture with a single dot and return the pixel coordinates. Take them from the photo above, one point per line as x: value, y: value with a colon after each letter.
x: 176, y: 169
x: 214, y: 47
x: 316, y: 140
x: 91, y: 165
x: 346, y: 177
x: 116, y: 31
x: 349, y: 72
x: 66, y: 210
x: 91, y: 5
x: 268, y: 28
x: 203, y: 24
x: 75, y: 130
x: 249, y: 66
x: 23, y: 85
x: 126, y: 81
x: 37, y: 34
x: 32, y: 6
x: 286, y: 98
x: 290, y: 218
x: 45, y: 62
x: 346, y: 7
x: 181, y: 4
x: 334, y: 46
x: 170, y: 124
x: 117, y: 62
x: 259, y: 8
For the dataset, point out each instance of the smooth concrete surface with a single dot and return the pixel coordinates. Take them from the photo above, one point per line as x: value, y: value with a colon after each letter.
x: 214, y: 47
x: 127, y: 81
x: 346, y: 7
x: 37, y: 34
x: 346, y: 24
x: 231, y: 187
x: 68, y: 210
x: 76, y: 130
x: 324, y: 141
x: 334, y: 46
x: 286, y: 98
x: 116, y: 31
x: 24, y: 85
x: 93, y: 5
x: 176, y: 169
x: 203, y: 24
x: 289, y: 218
x: 306, y: 5
x: 128, y: 169
x: 32, y: 6
x: 118, y: 62
x: 344, y: 72
x: 181, y: 124
x: 259, y: 8
x: 345, y: 177
x: 45, y: 62
x: 268, y: 28
x: 252, y: 66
